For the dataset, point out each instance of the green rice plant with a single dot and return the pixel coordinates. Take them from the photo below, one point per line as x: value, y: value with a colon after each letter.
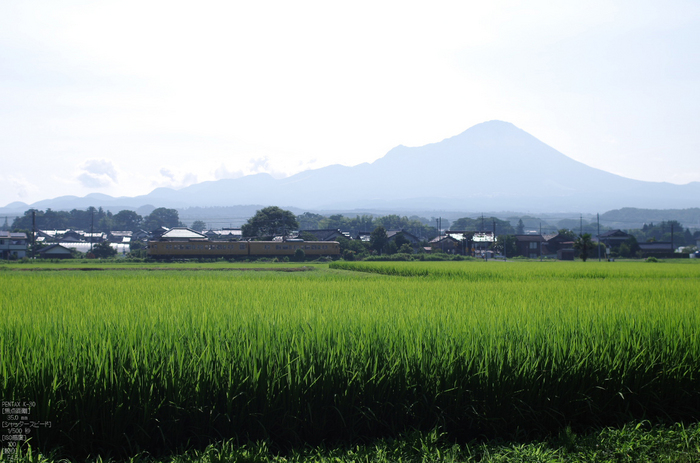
x: 129, y: 361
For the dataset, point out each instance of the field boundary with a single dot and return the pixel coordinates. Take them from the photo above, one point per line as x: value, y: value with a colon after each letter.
x: 164, y: 269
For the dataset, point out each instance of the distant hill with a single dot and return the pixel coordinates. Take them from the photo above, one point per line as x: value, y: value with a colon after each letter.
x: 630, y: 217
x: 491, y: 166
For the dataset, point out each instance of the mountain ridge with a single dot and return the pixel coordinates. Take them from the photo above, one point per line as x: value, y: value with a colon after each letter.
x: 493, y: 165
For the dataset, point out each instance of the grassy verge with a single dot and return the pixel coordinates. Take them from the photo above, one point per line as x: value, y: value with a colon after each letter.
x: 635, y: 443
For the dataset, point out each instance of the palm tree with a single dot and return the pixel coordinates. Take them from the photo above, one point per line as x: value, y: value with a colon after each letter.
x: 583, y: 245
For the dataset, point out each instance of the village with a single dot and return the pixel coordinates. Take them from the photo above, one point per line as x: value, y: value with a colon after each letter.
x: 69, y: 243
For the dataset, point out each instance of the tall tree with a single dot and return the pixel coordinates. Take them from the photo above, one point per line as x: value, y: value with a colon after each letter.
x: 162, y: 217
x: 568, y: 234
x: 378, y: 239
x: 198, y: 225
x: 583, y: 245
x: 269, y: 222
x: 309, y: 221
x: 127, y: 220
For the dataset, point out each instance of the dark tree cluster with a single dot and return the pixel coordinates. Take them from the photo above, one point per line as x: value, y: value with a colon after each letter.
x: 98, y: 220
x: 418, y: 226
x: 269, y: 222
x: 668, y: 231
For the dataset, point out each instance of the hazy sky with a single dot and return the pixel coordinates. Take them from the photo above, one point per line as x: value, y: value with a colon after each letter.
x: 120, y: 97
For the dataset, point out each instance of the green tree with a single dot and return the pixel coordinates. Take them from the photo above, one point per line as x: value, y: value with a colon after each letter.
x: 358, y: 248
x: 520, y: 228
x: 198, y: 225
x: 162, y: 217
x: 127, y: 220
x: 400, y: 240
x: 508, y: 244
x: 406, y: 248
x: 378, y: 239
x: 503, y: 227
x: 268, y: 222
x: 299, y: 255
x: 309, y: 221
x: 336, y: 221
x: 568, y: 234
x: 103, y: 250
x: 584, y: 245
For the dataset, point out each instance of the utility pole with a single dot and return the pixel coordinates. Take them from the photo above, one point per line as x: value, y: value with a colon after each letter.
x: 672, y: 247
x: 33, y: 232
x: 494, y: 234
x: 92, y: 225
x: 581, y: 230
x: 598, y: 240
x: 540, y: 242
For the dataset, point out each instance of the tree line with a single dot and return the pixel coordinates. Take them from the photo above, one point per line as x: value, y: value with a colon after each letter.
x: 97, y: 219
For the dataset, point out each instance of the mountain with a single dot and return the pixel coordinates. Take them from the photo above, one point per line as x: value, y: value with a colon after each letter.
x: 491, y: 166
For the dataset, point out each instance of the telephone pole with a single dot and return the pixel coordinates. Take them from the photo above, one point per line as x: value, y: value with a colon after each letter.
x: 92, y: 226
x: 33, y: 232
x: 494, y: 234
x: 598, y: 240
x: 672, y: 247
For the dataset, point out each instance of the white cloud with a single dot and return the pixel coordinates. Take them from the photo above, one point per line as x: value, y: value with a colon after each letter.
x: 101, y: 167
x: 17, y: 187
x: 222, y: 172
x: 174, y: 179
x: 93, y: 181
x: 167, y: 173
x: 97, y: 173
x: 259, y: 165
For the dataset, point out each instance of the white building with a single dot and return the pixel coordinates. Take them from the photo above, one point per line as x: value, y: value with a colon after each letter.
x: 13, y: 245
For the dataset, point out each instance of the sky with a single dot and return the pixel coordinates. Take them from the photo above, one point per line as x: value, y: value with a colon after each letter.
x: 122, y: 97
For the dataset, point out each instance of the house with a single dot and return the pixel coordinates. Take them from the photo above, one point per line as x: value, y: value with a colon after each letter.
x: 73, y: 236
x: 49, y: 236
x: 612, y: 238
x: 94, y: 237
x: 225, y: 234
x: 529, y: 245
x: 158, y: 232
x: 119, y: 236
x: 140, y: 235
x: 364, y: 236
x: 559, y: 246
x: 447, y: 244
x: 465, y: 238
x: 181, y: 234
x: 330, y: 234
x: 481, y: 241
x: 55, y: 251
x: 412, y: 239
x: 13, y: 245
x: 656, y: 248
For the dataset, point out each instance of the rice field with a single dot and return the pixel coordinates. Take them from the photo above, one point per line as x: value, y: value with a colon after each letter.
x: 125, y: 361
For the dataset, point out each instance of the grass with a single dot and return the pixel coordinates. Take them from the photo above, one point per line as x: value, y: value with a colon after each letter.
x: 124, y: 362
x: 122, y: 264
x: 633, y: 443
